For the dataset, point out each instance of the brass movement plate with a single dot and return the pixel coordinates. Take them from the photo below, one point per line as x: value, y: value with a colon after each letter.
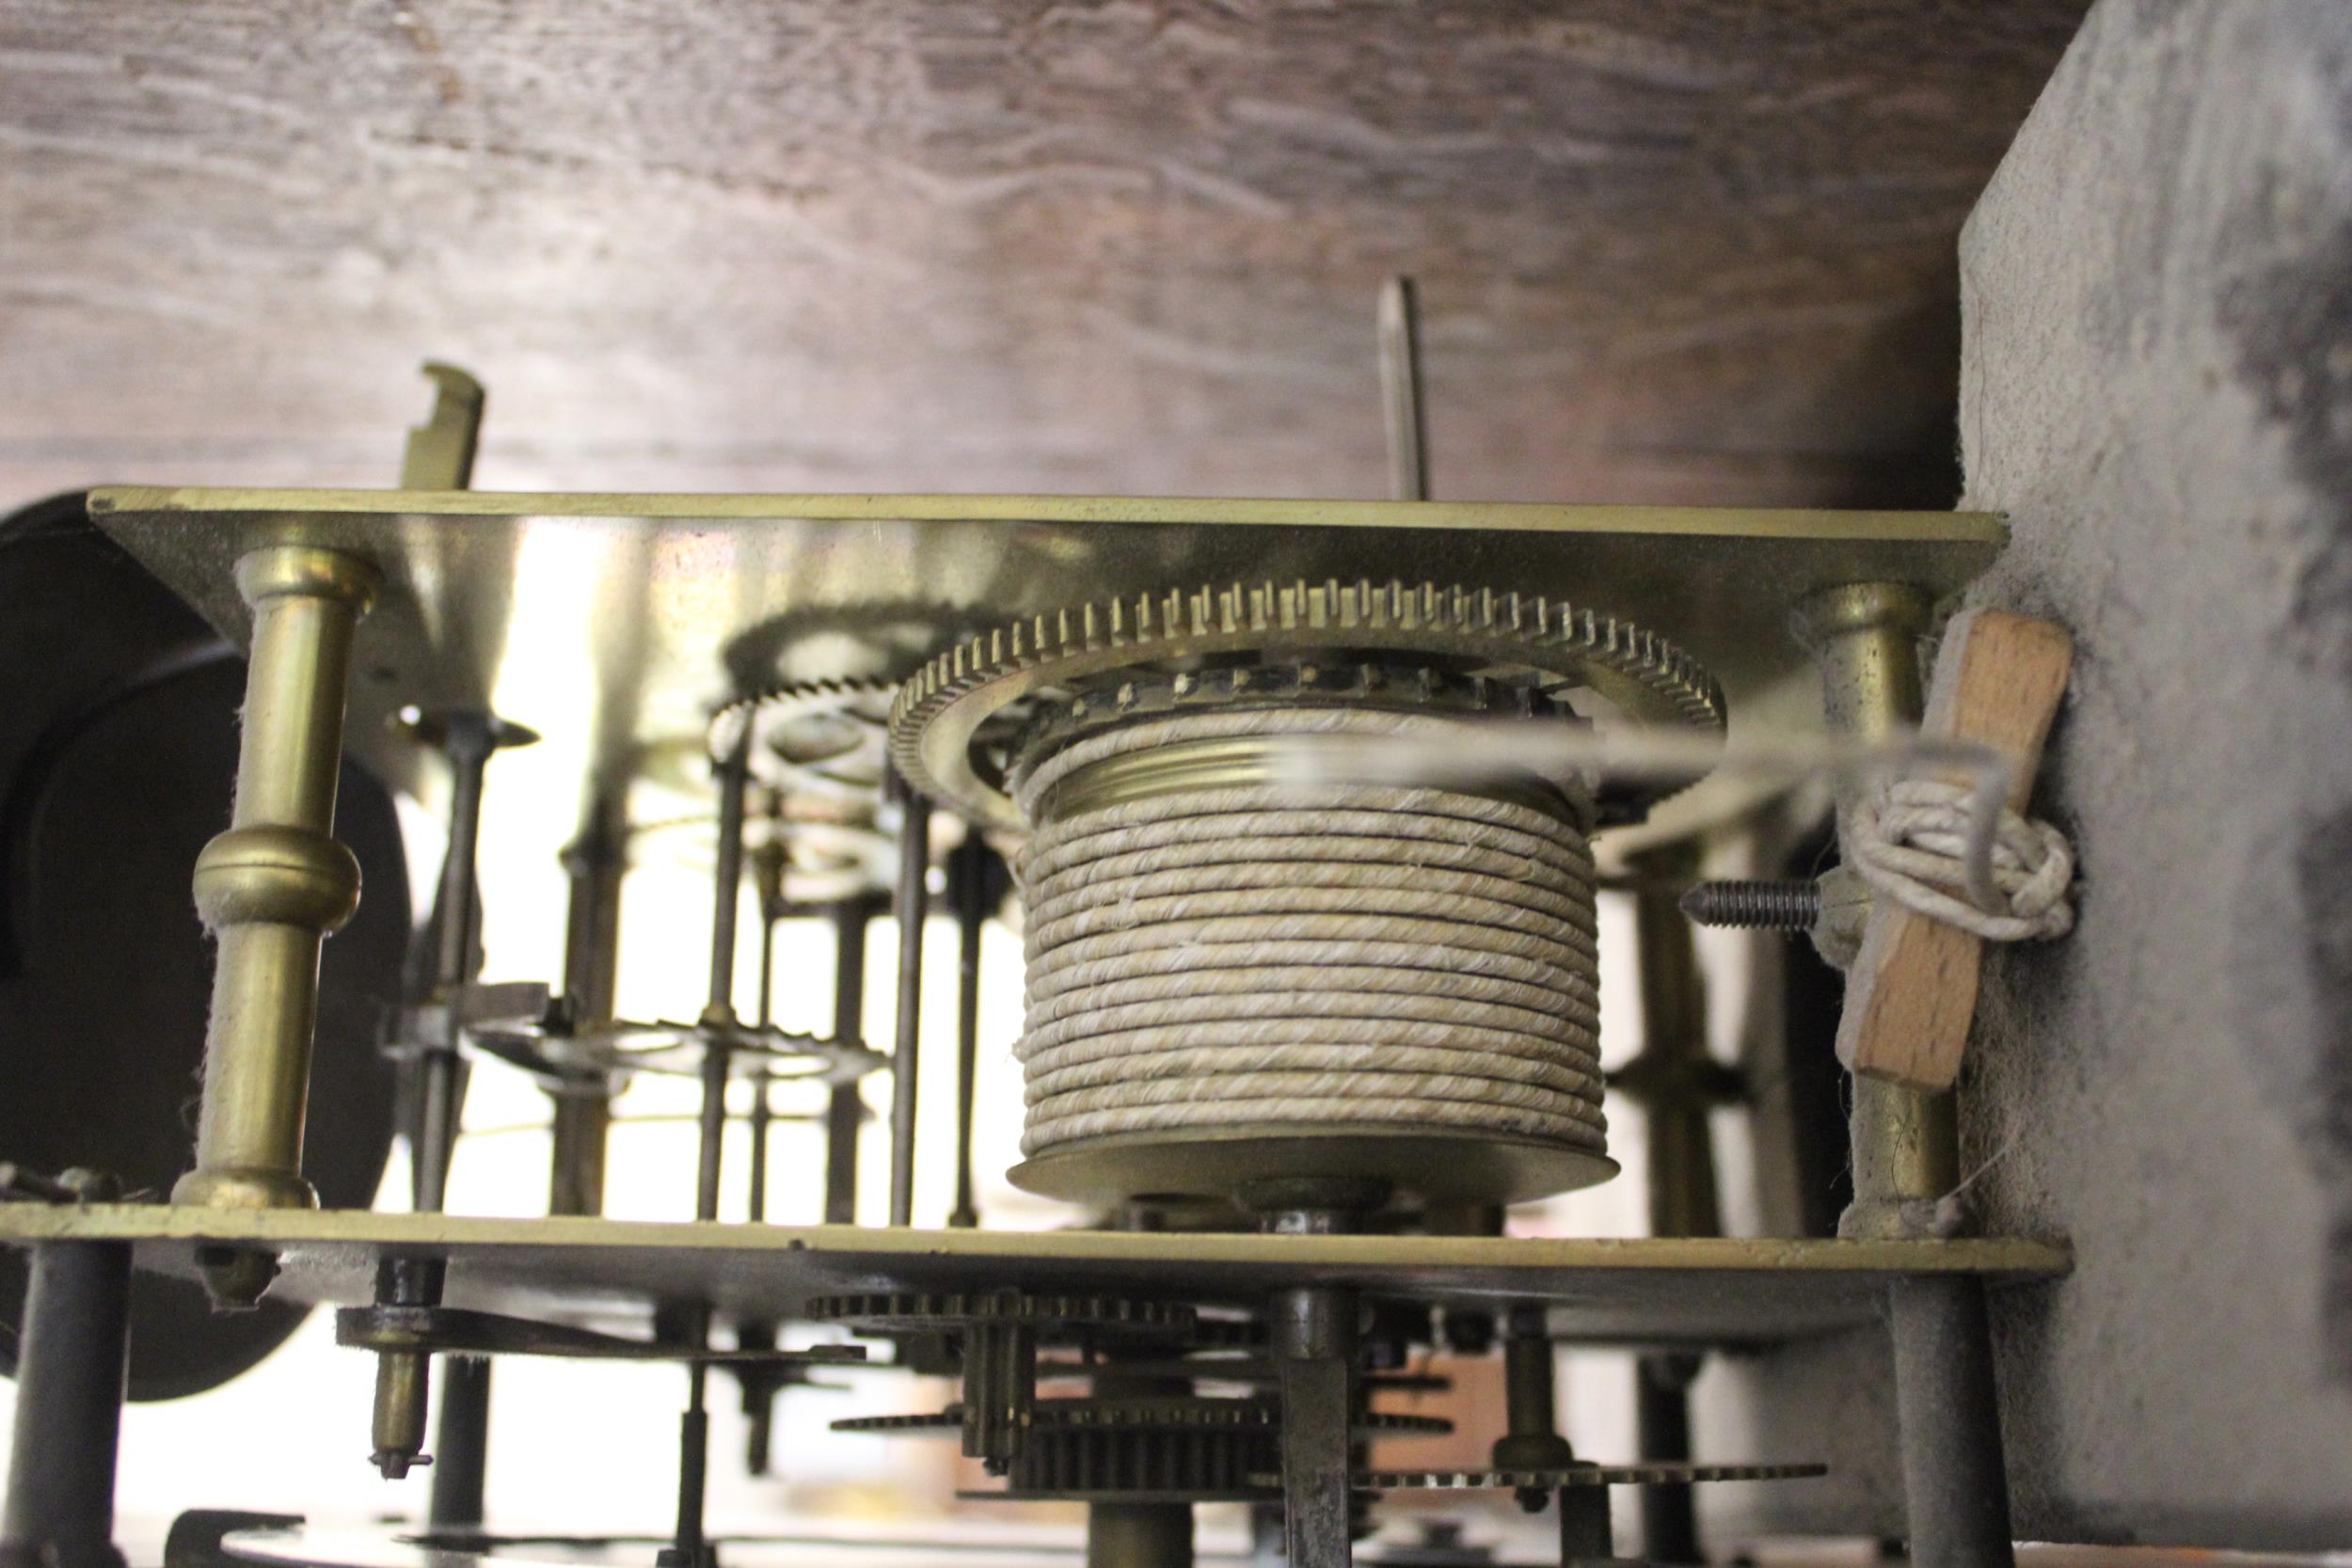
x: 1699, y: 1292
x: 614, y: 624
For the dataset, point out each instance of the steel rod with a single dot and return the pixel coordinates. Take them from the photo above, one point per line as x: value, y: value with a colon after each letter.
x: 762, y: 1110
x: 594, y: 865
x: 692, y: 1548
x: 970, y: 879
x: 1139, y: 1535
x: 461, y: 1444
x: 1313, y: 1335
x: 846, y: 1110
x: 72, y: 1360
x: 1955, y: 1479
x: 1661, y: 1416
x: 1400, y: 391
x: 909, y: 905
x: 726, y: 899
x: 466, y: 747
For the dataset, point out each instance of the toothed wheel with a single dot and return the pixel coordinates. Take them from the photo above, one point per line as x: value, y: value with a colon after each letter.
x: 1172, y: 1412
x: 954, y: 721
x: 820, y: 749
x: 1052, y: 1317
x: 1657, y: 1473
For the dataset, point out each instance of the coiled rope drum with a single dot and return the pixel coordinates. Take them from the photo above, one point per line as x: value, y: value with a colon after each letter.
x: 1299, y: 999
x: 1244, y: 985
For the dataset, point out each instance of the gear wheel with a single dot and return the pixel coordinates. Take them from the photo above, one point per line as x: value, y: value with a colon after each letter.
x: 996, y: 1338
x: 950, y: 723
x: 819, y: 747
x: 1646, y: 1473
x: 823, y: 735
x: 1055, y: 1318
x: 1171, y: 1413
x: 562, y: 1054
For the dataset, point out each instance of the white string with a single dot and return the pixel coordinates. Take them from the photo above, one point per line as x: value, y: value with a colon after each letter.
x: 1910, y: 841
x: 1480, y: 752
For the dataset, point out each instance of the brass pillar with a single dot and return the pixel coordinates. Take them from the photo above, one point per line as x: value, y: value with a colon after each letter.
x: 1864, y: 636
x: 271, y: 888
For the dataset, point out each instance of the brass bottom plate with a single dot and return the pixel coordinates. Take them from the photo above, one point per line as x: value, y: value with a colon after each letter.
x: 1665, y: 1293
x: 1232, y: 1162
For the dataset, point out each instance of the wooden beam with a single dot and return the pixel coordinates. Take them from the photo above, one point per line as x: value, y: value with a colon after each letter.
x: 1913, y: 988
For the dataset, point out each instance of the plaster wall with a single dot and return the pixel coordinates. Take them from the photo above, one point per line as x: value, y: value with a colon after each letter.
x: 2156, y: 388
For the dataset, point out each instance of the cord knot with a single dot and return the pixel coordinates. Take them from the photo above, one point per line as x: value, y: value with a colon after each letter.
x: 1911, y: 842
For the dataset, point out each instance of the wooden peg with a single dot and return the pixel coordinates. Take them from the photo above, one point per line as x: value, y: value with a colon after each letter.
x: 1911, y: 990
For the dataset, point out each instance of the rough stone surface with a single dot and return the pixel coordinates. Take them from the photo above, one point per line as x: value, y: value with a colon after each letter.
x: 1691, y: 252
x: 2157, y: 389
x: 2157, y: 386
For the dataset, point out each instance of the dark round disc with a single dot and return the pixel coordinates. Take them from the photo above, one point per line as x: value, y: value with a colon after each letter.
x: 117, y: 757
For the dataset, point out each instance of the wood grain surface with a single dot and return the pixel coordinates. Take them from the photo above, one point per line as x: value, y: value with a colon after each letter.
x: 1699, y: 251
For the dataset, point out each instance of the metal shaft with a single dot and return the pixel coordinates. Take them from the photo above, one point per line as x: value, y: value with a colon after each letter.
x: 467, y: 748
x: 763, y: 1111
x: 909, y: 905
x: 1133, y: 1535
x: 271, y: 888
x: 1661, y: 1417
x: 846, y: 1110
x: 726, y: 899
x: 72, y: 1360
x: 1955, y: 1481
x: 1139, y: 1535
x: 693, y: 1447
x: 969, y: 877
x: 1313, y: 1335
x: 1865, y: 638
x: 718, y: 1012
x: 1400, y: 391
x: 759, y: 1383
x: 461, y: 1444
x: 594, y: 865
x: 404, y: 1378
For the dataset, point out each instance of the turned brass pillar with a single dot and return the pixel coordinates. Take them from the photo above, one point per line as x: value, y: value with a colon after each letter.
x: 274, y: 885
x: 1865, y: 637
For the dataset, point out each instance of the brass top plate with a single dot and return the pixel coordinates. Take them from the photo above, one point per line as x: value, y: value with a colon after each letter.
x: 614, y: 623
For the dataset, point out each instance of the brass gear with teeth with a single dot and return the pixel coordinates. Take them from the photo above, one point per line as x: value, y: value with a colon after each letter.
x: 1170, y: 1412
x: 1052, y: 1316
x: 970, y: 698
x: 1640, y: 1473
x: 760, y: 712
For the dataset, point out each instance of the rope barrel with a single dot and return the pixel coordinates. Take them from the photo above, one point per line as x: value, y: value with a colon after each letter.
x: 1217, y: 954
